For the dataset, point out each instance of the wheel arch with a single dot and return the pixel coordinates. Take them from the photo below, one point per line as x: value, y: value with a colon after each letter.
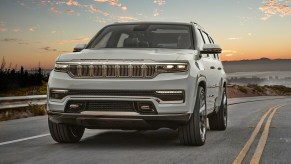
x: 223, y: 84
x: 201, y: 82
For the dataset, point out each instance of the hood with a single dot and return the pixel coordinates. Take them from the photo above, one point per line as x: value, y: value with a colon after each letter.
x: 130, y: 54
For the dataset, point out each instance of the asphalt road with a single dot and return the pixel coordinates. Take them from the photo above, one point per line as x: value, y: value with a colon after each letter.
x: 27, y: 140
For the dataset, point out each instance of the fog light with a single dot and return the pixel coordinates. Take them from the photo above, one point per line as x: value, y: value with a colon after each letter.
x: 169, y: 92
x: 58, y: 94
x: 75, y: 107
x: 170, y: 96
x: 145, y: 107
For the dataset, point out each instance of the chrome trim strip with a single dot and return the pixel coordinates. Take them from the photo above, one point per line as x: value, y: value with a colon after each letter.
x: 101, y: 113
x: 96, y: 62
x: 131, y: 98
x: 79, y: 70
x: 91, y: 70
x: 130, y: 70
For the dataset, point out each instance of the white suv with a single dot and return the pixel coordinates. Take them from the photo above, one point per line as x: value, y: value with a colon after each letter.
x: 144, y: 75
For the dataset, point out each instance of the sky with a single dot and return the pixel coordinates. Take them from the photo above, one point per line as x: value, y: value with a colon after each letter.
x: 35, y: 32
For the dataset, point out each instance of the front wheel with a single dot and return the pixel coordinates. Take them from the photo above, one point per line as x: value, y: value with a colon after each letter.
x: 194, y: 132
x: 64, y: 133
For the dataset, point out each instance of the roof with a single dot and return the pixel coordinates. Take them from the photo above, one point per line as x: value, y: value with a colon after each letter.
x: 152, y: 22
x: 159, y: 22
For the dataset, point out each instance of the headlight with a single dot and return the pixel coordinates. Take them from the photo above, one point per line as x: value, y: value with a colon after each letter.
x: 171, y: 68
x: 61, y: 67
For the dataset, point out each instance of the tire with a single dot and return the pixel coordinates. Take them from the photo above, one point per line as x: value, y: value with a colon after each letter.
x: 218, y: 121
x: 64, y: 133
x: 194, y: 132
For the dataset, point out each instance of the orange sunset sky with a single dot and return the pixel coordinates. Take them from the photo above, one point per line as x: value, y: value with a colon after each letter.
x: 37, y: 31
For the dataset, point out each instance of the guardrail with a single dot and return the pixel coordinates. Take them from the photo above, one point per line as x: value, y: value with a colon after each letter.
x: 22, y: 101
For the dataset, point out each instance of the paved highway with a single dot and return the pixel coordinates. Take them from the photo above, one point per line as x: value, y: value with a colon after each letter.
x: 258, y: 130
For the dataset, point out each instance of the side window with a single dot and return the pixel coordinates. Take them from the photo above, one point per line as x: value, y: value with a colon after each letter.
x: 205, y: 41
x: 205, y: 37
x: 200, y: 41
x: 121, y: 39
x: 211, y: 40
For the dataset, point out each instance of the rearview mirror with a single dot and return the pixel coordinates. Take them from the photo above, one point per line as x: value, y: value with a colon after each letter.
x: 211, y: 49
x: 79, y: 47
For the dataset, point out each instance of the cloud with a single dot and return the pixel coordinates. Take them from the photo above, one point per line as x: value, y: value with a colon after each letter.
x: 275, y: 7
x: 2, y: 27
x: 92, y: 9
x: 70, y: 11
x: 54, y: 9
x: 11, y: 40
x: 234, y: 38
x: 156, y: 13
x: 48, y: 48
x: 14, y: 40
x: 114, y: 3
x: 229, y: 51
x: 72, y: 2
x: 126, y: 18
x: 101, y: 20
x: 32, y: 29
x: 160, y: 2
x: 76, y: 40
x: 266, y: 17
x: 78, y: 7
x: 53, y: 32
x: 16, y: 30
x: 250, y: 34
x: 24, y: 43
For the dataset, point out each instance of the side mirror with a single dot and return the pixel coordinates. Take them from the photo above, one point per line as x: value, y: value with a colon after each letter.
x: 79, y: 47
x: 211, y: 49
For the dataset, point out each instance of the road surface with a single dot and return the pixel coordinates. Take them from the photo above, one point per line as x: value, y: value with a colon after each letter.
x: 27, y: 140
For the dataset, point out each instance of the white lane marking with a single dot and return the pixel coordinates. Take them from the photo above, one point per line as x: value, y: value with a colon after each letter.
x: 24, y: 139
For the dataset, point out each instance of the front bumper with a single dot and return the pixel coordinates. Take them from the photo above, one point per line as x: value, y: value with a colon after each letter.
x: 170, y: 81
x: 120, y: 120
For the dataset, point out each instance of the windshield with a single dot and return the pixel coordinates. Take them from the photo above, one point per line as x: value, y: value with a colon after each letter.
x: 144, y: 36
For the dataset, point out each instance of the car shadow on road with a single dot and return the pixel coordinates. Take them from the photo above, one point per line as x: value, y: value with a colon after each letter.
x: 132, y: 139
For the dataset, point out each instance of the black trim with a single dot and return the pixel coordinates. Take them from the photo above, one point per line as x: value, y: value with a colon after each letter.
x: 121, y: 121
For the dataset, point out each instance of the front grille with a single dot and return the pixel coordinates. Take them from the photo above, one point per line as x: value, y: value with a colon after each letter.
x: 107, y: 106
x: 113, y: 71
x: 110, y: 106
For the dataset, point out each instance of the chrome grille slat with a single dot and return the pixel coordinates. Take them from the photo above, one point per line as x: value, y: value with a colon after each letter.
x: 123, y: 70
x: 98, y: 70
